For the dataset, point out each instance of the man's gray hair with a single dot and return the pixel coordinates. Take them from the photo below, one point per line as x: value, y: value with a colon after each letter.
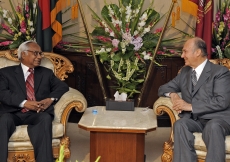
x: 23, y: 47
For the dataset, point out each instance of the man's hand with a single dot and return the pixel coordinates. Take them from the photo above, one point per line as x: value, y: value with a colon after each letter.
x: 178, y: 104
x: 33, y: 105
x: 45, y: 103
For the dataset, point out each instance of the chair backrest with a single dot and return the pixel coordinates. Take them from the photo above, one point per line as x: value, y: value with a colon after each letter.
x: 56, y: 62
x: 224, y: 62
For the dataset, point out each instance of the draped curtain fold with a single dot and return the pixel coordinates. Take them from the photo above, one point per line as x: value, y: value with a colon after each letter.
x: 203, y: 11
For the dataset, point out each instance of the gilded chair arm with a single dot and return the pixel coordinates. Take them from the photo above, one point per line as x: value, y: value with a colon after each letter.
x: 71, y: 99
x: 164, y: 105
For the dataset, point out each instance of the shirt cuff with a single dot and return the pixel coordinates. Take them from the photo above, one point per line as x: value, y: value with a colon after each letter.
x: 22, y: 103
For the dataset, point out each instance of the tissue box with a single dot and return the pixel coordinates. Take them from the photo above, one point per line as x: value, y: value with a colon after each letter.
x: 128, y: 105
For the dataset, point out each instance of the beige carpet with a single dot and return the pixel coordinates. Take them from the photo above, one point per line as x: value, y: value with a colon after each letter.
x: 80, y: 143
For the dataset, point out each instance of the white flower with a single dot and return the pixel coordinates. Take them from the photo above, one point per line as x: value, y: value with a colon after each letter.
x: 4, y: 13
x: 116, y: 22
x: 107, y: 30
x: 30, y: 23
x: 135, y: 32
x: 144, y: 17
x: 146, y: 56
x: 108, y: 49
x: 31, y: 30
x: 10, y: 20
x: 146, y: 30
x: 136, y: 11
x: 142, y: 23
x: 111, y: 13
x: 123, y: 50
x: 34, y: 7
x: 100, y: 51
x: 111, y: 34
x: 122, y: 45
x: 128, y: 10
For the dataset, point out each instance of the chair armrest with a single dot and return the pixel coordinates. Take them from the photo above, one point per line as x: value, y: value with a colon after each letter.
x: 71, y: 99
x: 164, y: 105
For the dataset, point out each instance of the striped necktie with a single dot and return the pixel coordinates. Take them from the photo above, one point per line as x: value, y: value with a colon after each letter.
x: 29, y: 87
x: 194, y: 79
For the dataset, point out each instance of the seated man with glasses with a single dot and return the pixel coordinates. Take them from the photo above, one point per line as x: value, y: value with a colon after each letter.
x: 28, y: 92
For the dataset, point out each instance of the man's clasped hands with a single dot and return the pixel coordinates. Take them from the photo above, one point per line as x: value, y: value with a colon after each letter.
x: 38, y: 105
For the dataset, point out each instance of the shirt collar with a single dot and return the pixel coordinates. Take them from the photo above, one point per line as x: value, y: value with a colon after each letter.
x: 25, y: 69
x: 200, y: 68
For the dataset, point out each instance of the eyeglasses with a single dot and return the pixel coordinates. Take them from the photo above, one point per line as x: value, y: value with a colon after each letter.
x: 36, y: 53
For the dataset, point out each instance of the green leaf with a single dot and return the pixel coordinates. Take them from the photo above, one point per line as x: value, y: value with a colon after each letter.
x: 116, y: 57
x: 99, y: 31
x: 104, y: 57
x: 227, y: 52
x: 128, y: 54
x: 8, y: 37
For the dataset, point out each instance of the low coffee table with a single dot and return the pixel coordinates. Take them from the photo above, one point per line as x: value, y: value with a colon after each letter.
x: 117, y: 136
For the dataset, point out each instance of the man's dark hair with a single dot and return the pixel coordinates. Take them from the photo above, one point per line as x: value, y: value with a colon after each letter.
x: 200, y: 44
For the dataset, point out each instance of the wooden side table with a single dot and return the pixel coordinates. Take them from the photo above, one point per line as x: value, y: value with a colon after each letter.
x: 117, y: 135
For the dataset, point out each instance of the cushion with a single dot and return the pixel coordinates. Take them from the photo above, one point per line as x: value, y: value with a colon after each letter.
x: 21, y: 133
x: 199, y: 143
x: 27, y: 145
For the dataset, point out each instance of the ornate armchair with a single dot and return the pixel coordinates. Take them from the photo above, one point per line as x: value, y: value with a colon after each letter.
x: 164, y: 105
x: 20, y: 147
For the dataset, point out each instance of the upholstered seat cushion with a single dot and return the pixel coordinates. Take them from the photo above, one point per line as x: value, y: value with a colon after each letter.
x: 27, y: 145
x: 21, y: 133
x: 199, y: 143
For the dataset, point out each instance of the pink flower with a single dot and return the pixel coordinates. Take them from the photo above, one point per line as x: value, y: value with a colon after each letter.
x: 23, y: 30
x: 103, y: 39
x: 27, y: 8
x: 172, y: 51
x: 5, y: 43
x: 158, y: 30
x: 160, y: 52
x: 7, y: 29
x: 115, y: 42
x: 18, y: 9
x: 87, y: 50
x: 23, y: 24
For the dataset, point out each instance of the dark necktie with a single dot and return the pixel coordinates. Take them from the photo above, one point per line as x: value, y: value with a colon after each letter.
x: 194, y: 79
x: 29, y: 87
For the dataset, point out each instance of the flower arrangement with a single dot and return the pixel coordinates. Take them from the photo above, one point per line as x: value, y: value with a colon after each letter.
x: 124, y: 43
x: 19, y: 24
x: 221, y: 31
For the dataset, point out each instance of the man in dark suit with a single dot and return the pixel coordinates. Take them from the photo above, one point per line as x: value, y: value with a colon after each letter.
x: 204, y: 105
x: 33, y: 107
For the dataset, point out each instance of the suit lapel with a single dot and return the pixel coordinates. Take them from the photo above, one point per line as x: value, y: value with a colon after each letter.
x: 203, y: 77
x: 37, y: 78
x: 20, y: 78
x: 189, y: 81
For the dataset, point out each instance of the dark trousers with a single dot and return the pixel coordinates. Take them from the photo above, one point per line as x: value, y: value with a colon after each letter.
x: 213, y: 135
x: 39, y: 130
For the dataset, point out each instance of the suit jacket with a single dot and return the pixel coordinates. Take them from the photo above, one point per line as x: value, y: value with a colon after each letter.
x: 13, y: 87
x: 211, y: 96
